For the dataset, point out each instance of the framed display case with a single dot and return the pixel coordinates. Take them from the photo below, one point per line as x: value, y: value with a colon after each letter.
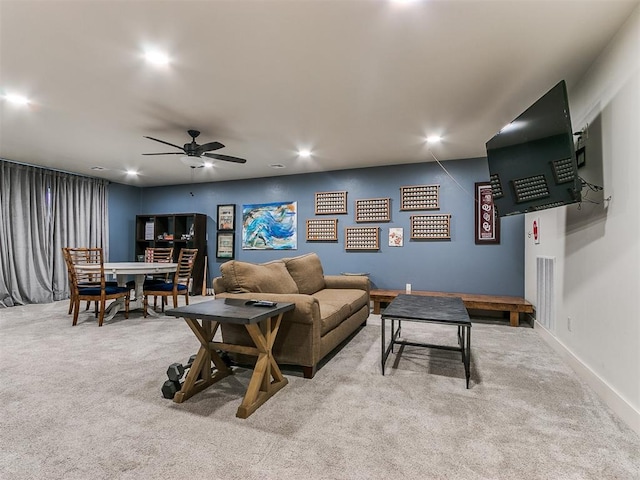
x: 331, y: 203
x: 373, y: 210
x: 420, y: 197
x: 362, y: 238
x: 431, y: 227
x: 322, y: 230
x: 487, y: 222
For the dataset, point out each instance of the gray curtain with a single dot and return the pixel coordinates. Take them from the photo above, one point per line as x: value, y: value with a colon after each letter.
x: 42, y: 211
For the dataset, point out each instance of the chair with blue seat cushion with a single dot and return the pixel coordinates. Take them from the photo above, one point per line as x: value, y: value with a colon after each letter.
x: 88, y: 281
x: 180, y: 283
x: 131, y: 284
x: 157, y: 255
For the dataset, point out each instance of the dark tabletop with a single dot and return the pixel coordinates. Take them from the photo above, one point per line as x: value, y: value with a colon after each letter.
x: 424, y: 308
x: 229, y: 310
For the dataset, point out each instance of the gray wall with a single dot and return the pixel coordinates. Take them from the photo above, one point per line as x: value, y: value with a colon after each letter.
x: 446, y: 265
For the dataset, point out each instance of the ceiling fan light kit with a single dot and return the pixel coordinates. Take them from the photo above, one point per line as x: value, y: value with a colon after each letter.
x: 193, y: 162
x: 196, y: 151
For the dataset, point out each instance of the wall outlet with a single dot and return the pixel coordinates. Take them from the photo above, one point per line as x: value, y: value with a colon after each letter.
x: 408, y: 288
x: 569, y: 323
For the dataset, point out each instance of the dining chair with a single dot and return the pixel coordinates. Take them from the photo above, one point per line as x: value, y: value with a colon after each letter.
x: 90, y: 284
x: 157, y: 255
x: 109, y: 283
x: 180, y: 283
x: 69, y: 264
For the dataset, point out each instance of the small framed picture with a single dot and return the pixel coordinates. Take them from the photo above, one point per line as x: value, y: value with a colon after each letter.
x: 224, y: 245
x: 227, y: 217
x: 396, y: 237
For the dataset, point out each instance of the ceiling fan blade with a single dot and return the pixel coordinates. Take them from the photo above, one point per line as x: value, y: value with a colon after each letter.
x: 208, y: 147
x: 226, y: 158
x: 167, y: 153
x: 166, y: 143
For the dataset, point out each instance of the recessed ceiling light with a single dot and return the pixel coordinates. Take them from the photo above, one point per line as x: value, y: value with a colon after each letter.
x: 156, y: 57
x: 132, y: 172
x: 434, y: 139
x: 208, y: 164
x: 277, y: 165
x: 98, y: 168
x: 304, y: 153
x: 17, y: 99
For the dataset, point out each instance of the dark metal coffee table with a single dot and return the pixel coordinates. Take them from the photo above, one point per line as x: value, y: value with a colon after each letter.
x: 262, y: 324
x: 444, y: 310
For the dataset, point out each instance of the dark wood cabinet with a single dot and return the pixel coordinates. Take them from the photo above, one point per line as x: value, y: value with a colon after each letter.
x: 179, y: 230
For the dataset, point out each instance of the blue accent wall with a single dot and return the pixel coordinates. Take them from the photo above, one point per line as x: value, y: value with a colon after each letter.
x: 124, y: 205
x: 451, y: 265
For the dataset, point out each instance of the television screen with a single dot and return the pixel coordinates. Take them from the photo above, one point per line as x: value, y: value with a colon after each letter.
x: 532, y: 161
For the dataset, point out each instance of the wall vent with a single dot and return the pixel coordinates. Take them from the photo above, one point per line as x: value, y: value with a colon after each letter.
x: 545, y: 302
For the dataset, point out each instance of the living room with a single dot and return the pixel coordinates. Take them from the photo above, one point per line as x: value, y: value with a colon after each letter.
x: 596, y: 331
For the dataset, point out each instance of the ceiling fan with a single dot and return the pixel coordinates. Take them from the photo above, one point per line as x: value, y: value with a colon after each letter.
x: 194, y: 150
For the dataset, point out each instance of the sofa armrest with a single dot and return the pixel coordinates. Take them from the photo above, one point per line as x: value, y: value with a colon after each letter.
x: 359, y: 282
x: 307, y: 310
x: 218, y: 285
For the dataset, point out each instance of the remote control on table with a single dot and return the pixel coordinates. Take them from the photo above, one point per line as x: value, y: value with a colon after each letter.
x: 261, y: 303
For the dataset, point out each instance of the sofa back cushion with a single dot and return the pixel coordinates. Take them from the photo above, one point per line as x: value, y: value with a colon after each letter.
x: 306, y: 271
x: 271, y: 277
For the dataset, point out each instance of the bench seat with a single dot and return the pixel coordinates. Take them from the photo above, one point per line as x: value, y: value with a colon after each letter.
x: 502, y: 303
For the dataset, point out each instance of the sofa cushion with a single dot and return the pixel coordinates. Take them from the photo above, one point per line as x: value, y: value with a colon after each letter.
x: 306, y: 271
x: 354, y: 298
x: 271, y: 277
x: 332, y: 314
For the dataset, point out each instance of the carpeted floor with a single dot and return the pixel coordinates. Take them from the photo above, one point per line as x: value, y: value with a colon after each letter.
x: 84, y: 403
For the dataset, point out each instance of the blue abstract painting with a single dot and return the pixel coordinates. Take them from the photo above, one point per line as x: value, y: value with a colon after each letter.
x: 270, y: 226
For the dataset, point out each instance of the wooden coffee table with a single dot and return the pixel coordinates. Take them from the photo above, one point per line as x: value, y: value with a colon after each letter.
x: 262, y: 324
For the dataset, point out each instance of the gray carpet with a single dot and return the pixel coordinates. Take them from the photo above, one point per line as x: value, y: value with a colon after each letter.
x: 84, y: 403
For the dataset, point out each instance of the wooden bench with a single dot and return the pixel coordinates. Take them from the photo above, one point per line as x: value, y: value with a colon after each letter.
x: 500, y: 303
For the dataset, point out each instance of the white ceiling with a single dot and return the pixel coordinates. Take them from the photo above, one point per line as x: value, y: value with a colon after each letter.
x: 360, y: 83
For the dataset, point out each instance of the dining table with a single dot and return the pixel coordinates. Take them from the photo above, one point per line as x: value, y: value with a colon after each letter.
x: 121, y: 271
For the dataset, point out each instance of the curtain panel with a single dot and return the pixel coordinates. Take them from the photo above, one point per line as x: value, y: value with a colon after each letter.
x: 42, y: 211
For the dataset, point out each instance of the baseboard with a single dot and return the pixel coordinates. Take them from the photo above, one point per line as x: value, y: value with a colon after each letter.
x: 627, y: 413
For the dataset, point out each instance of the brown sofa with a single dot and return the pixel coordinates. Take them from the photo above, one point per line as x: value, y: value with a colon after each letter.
x: 328, y: 308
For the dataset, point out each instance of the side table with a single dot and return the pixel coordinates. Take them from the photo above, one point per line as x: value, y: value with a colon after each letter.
x: 262, y: 324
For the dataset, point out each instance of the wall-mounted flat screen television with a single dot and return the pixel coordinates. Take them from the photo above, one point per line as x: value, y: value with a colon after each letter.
x: 532, y: 161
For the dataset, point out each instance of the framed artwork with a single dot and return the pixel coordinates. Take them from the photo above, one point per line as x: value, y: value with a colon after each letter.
x: 396, y: 237
x: 226, y: 217
x: 224, y: 245
x: 487, y: 222
x: 270, y: 226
